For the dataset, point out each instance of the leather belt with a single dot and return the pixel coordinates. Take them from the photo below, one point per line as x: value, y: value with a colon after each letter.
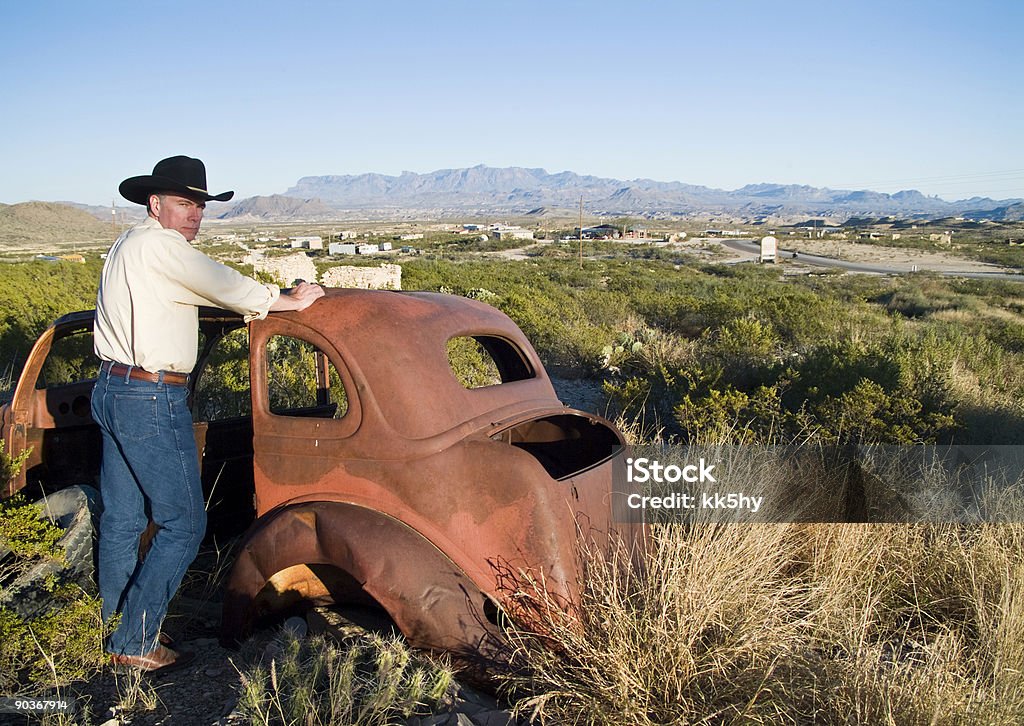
x: 138, y: 374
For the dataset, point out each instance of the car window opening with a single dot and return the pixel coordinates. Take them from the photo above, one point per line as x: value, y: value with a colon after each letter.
x: 478, y: 361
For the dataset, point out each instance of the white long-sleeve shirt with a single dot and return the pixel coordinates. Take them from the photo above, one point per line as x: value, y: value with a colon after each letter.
x: 153, y: 281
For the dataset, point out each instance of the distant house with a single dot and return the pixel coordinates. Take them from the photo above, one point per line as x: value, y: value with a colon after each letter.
x: 307, y: 243
x: 338, y: 248
x: 601, y: 231
x: 512, y: 233
x: 366, y: 249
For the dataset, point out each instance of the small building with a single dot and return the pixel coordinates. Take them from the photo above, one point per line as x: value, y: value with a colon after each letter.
x: 410, y: 237
x: 601, y: 231
x: 338, y: 248
x: 385, y: 246
x: 307, y: 243
x: 366, y: 249
x: 512, y: 233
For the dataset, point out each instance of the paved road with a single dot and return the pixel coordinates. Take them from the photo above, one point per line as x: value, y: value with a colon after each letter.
x: 754, y: 248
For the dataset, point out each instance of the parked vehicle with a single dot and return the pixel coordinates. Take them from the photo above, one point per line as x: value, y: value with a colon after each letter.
x: 396, y: 449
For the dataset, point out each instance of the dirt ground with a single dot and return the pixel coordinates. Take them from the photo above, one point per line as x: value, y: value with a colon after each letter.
x: 894, y: 256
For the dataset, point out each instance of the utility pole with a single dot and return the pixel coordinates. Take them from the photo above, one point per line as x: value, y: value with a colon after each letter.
x: 581, y: 231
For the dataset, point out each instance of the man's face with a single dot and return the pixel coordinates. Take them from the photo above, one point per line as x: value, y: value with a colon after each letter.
x: 178, y: 213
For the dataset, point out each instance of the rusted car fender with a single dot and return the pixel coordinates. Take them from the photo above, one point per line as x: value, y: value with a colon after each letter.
x: 429, y: 598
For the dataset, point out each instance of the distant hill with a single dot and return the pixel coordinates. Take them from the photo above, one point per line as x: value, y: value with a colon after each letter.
x: 1009, y: 213
x: 41, y: 225
x: 128, y: 214
x: 277, y: 207
x: 518, y: 190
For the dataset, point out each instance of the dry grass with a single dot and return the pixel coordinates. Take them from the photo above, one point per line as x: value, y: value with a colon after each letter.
x: 800, y: 624
x: 367, y: 680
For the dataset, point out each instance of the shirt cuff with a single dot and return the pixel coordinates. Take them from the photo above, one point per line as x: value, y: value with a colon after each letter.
x: 275, y: 293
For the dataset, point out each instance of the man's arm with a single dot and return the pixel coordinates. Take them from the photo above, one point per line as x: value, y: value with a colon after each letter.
x: 299, y: 297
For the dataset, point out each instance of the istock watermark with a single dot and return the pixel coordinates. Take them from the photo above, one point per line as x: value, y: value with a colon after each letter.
x: 933, y: 484
x: 643, y: 470
x: 706, y: 500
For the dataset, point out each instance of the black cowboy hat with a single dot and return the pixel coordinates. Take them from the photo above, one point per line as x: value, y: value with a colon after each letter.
x: 178, y: 175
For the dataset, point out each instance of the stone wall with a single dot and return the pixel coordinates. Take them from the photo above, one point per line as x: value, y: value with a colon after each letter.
x: 385, y: 277
x: 285, y: 270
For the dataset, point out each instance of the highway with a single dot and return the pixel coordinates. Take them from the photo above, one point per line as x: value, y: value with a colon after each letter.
x: 754, y: 248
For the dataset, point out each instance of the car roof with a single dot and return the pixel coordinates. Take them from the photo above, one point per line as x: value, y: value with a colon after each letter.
x: 395, y: 343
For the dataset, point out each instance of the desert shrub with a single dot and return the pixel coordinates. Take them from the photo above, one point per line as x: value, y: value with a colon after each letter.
x: 59, y: 646
x: 918, y: 297
x: 471, y: 363
x: 64, y: 643
x: 33, y: 295
x: 727, y: 414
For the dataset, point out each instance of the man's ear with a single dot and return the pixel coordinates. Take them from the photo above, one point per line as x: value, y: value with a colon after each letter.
x: 154, y: 205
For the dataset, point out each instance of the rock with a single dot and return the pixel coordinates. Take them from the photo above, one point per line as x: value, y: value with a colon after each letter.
x: 494, y: 718
x: 297, y: 626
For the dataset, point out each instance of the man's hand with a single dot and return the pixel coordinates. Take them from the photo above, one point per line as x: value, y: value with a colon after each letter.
x: 299, y: 297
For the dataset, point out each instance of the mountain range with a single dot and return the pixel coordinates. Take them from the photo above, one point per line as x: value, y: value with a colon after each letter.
x: 517, y: 190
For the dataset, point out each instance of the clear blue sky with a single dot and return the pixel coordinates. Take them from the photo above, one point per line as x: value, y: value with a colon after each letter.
x: 877, y: 95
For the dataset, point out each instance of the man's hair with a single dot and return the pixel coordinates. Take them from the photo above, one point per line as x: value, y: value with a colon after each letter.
x: 149, y: 206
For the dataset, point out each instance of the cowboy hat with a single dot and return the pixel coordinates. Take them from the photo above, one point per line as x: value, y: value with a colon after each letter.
x: 178, y: 175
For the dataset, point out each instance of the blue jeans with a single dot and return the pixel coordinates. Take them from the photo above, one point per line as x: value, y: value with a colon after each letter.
x: 150, y: 469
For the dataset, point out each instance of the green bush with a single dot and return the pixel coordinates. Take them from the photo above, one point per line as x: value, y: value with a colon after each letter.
x: 65, y: 642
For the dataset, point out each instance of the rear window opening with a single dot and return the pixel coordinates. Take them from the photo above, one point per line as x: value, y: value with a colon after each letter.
x: 485, y: 360
x: 565, y: 444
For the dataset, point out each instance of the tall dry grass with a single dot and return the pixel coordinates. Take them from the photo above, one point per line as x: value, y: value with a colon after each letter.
x: 783, y: 624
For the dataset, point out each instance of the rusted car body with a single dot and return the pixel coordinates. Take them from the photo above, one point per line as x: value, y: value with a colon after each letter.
x: 377, y: 475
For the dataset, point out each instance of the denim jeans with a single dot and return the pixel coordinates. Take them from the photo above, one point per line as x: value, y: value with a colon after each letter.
x: 150, y: 469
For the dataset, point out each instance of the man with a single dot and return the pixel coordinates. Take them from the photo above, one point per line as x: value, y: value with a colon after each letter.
x: 146, y: 334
